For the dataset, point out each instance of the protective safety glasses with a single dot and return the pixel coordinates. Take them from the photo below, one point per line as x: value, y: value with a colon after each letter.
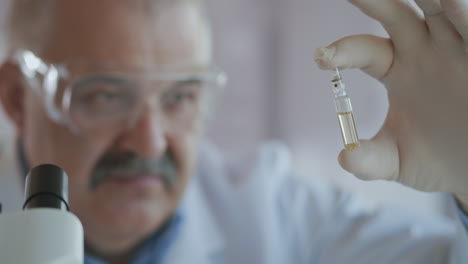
x: 103, y: 100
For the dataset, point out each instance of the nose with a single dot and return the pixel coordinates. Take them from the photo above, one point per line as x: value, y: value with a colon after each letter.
x: 147, y: 138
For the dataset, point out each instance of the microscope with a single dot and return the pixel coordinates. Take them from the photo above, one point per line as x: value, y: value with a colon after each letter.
x: 45, y: 232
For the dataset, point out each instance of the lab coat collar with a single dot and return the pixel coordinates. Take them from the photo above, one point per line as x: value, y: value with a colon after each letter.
x: 200, y: 239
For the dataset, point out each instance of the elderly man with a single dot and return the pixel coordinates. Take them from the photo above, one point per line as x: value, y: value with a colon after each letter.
x: 116, y: 92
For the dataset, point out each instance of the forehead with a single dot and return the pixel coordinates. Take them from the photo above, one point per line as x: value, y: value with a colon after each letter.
x: 128, y: 33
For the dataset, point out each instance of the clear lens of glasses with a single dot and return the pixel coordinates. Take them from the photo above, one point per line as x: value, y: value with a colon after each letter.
x: 117, y: 102
x: 112, y: 101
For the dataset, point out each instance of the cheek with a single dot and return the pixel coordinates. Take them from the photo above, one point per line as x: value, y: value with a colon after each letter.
x: 184, y: 147
x: 48, y: 142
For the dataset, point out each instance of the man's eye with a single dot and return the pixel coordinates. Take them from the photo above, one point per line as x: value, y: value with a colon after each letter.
x: 100, y: 94
x: 182, y: 94
x: 102, y: 97
x: 175, y: 98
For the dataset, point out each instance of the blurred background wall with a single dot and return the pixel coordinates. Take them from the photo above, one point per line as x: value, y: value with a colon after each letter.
x: 275, y: 90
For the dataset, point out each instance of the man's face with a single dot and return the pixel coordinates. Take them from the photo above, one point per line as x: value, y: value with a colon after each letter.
x: 125, y: 35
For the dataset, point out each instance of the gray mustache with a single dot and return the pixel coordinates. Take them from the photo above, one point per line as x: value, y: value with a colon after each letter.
x: 110, y: 164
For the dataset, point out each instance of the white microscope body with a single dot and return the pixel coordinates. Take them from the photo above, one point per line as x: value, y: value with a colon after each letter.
x: 45, y: 232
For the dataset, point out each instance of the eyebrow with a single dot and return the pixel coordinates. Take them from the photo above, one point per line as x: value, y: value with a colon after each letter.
x: 101, y: 78
x: 182, y: 83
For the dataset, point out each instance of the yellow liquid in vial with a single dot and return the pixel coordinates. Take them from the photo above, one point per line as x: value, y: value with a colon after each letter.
x: 348, y: 130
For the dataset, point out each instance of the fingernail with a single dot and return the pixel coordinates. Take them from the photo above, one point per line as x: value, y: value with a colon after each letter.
x: 323, y: 57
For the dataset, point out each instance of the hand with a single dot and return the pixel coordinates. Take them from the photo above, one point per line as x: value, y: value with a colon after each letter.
x: 423, y: 142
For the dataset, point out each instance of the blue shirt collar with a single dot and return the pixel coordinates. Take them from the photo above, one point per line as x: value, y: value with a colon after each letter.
x: 154, y: 249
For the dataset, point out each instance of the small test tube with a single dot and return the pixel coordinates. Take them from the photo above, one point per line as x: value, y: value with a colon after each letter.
x: 345, y: 113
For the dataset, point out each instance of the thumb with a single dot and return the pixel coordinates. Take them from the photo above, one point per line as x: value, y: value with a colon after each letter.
x: 375, y: 159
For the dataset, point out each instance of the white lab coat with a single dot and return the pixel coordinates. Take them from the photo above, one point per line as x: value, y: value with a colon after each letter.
x: 267, y: 216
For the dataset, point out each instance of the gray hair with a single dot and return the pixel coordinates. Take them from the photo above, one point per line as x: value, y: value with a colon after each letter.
x: 30, y: 21
x: 24, y: 20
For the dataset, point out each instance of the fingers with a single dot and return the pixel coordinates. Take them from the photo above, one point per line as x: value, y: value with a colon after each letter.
x: 404, y: 25
x: 375, y: 159
x: 442, y: 31
x: 373, y: 55
x: 429, y: 7
x: 457, y: 13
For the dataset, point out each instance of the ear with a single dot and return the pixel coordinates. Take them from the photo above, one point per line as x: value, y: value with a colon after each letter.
x: 12, y: 94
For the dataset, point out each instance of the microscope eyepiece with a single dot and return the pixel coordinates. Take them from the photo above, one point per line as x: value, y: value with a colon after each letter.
x: 46, y: 186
